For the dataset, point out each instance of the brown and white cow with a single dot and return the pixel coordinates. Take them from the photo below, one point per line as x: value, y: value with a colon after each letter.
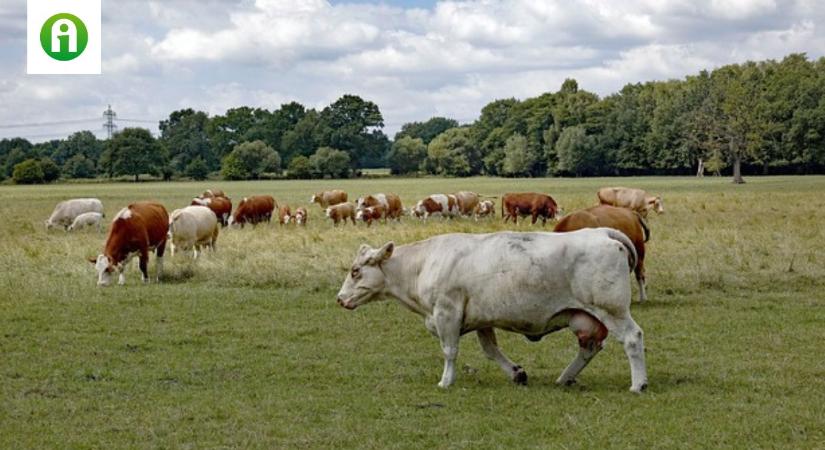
x: 329, y: 198
x: 253, y: 210
x: 212, y: 193
x: 628, y: 222
x: 631, y: 198
x: 467, y: 202
x: 485, y: 208
x: 370, y: 214
x: 136, y: 230
x: 444, y: 205
x: 221, y: 206
x: 300, y: 216
x: 341, y: 211
x: 532, y: 204
x: 390, y: 202
x: 284, y: 214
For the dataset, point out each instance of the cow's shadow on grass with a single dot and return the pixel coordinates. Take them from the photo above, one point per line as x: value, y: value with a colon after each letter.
x: 179, y: 273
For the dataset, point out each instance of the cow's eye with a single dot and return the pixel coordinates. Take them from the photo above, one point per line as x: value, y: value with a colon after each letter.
x: 110, y: 269
x: 356, y: 272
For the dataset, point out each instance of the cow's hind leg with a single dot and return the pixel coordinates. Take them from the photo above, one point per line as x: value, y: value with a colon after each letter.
x: 632, y: 338
x: 487, y: 339
x: 591, y: 334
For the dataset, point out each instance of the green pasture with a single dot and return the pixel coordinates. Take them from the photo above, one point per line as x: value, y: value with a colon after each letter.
x: 246, y: 348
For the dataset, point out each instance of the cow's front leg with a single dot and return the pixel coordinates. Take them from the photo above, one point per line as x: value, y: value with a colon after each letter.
x: 143, y: 263
x: 448, y: 325
x: 487, y: 339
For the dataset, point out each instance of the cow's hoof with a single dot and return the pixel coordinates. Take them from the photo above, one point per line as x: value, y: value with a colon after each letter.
x: 534, y: 337
x: 638, y: 389
x: 519, y: 376
x: 562, y: 382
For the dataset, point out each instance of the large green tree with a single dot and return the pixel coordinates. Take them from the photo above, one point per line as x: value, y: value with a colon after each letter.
x: 426, y: 131
x: 134, y: 151
x: 184, y: 137
x: 249, y: 161
x: 453, y: 153
x: 406, y: 155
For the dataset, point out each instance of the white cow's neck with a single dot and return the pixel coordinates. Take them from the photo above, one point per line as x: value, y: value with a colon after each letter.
x: 401, y: 278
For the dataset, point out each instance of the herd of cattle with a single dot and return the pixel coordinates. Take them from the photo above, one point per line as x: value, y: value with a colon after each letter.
x: 574, y: 278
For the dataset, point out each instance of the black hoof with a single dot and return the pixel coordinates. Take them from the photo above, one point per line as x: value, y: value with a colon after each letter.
x: 520, y: 376
x: 533, y: 337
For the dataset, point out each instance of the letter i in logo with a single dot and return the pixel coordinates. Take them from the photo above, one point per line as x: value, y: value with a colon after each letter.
x: 64, y: 37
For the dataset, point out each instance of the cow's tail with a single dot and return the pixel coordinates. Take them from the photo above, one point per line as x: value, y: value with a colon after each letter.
x: 617, y: 235
x: 645, y: 228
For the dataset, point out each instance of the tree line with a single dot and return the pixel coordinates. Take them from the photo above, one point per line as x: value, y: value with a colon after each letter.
x: 756, y: 117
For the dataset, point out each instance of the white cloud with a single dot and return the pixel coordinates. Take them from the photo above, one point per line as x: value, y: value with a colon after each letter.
x: 414, y: 63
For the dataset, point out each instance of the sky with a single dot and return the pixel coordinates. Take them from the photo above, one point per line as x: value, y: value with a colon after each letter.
x: 414, y: 58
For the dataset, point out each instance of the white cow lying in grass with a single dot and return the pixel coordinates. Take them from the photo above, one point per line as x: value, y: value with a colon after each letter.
x: 67, y: 211
x: 193, y: 227
x: 89, y: 219
x: 527, y: 283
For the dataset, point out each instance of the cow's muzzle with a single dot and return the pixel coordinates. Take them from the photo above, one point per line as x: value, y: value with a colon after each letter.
x: 346, y: 303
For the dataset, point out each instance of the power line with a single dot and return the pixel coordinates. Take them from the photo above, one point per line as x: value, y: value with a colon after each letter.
x: 44, y: 124
x: 137, y: 120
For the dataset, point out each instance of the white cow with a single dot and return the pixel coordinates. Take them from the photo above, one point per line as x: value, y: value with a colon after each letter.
x: 527, y: 283
x: 67, y: 211
x: 193, y: 227
x: 87, y: 220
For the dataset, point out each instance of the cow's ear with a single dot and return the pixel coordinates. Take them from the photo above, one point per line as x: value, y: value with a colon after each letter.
x: 363, y: 249
x: 92, y: 260
x: 383, y: 253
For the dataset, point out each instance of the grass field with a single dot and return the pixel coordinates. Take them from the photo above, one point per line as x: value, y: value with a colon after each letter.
x: 246, y: 348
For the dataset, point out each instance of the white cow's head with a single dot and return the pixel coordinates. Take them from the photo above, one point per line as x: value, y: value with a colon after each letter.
x: 105, y: 270
x: 48, y: 223
x: 365, y: 281
x: 656, y: 204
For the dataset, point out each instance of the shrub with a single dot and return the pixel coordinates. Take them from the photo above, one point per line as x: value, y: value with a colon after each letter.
x: 29, y: 171
x: 299, y: 167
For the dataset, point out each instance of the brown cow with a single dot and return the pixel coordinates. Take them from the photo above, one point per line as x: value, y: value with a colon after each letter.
x: 221, y: 206
x: 441, y: 204
x: 329, y: 198
x: 137, y: 229
x: 212, y: 193
x: 630, y: 198
x: 254, y: 210
x: 467, y: 202
x: 370, y: 213
x: 341, y: 211
x: 628, y: 222
x: 284, y: 214
x: 390, y: 202
x: 532, y: 204
x: 300, y: 217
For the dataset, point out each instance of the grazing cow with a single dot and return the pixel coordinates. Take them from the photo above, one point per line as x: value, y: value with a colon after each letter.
x: 212, y: 193
x: 635, y: 199
x: 67, y: 211
x: 329, y: 198
x: 300, y: 217
x: 628, y: 222
x: 341, y: 211
x: 485, y: 208
x: 221, y: 206
x: 390, y: 202
x: 193, y: 227
x: 284, y: 214
x: 437, y: 204
x: 467, y: 202
x: 136, y: 230
x: 369, y: 214
x: 528, y: 283
x: 88, y: 219
x: 532, y: 204
x: 253, y: 210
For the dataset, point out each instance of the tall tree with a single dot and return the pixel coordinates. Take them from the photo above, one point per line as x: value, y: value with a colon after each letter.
x: 184, y: 137
x: 134, y: 151
x: 426, y: 131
